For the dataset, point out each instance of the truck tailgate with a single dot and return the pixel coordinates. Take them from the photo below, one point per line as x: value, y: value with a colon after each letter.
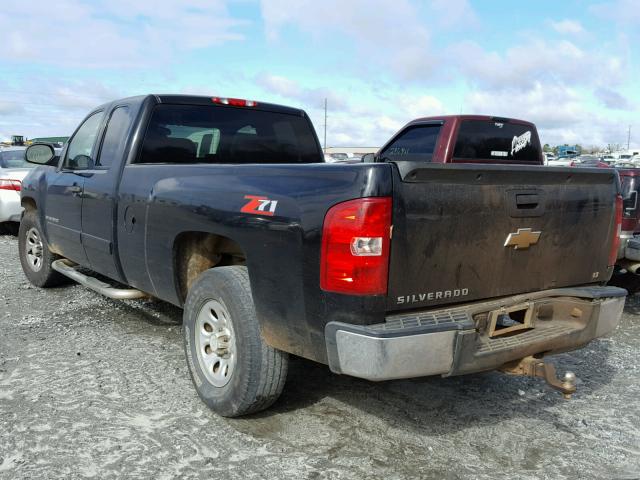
x: 467, y: 232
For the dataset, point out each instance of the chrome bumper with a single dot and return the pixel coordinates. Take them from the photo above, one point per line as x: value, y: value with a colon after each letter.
x: 455, y: 341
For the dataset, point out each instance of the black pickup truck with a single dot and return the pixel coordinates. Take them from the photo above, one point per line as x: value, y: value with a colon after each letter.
x: 392, y: 269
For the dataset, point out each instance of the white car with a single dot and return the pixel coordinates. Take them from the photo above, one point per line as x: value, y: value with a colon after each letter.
x: 561, y: 162
x: 13, y: 169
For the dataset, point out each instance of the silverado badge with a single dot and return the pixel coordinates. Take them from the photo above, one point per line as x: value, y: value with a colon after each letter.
x: 522, y: 239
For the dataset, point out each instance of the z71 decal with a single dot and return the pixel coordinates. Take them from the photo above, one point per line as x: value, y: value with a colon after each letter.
x: 259, y: 205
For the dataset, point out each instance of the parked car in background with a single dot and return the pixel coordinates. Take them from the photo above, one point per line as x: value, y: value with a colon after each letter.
x: 609, y: 159
x: 630, y: 181
x: 589, y: 161
x: 13, y: 169
x: 560, y: 162
x: 337, y: 157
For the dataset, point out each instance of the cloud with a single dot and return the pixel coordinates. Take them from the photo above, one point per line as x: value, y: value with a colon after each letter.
x: 308, y: 97
x: 421, y: 106
x: 533, y: 61
x: 349, y: 131
x: 612, y: 99
x: 623, y: 12
x: 571, y: 27
x: 388, y: 33
x: 452, y: 14
x: 49, y: 106
x: 112, y: 33
x: 9, y: 107
x: 549, y: 106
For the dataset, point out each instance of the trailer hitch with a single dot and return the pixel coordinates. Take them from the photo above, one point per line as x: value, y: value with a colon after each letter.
x: 536, y: 367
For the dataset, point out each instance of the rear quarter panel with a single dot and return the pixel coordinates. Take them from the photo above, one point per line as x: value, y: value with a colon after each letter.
x: 283, y: 250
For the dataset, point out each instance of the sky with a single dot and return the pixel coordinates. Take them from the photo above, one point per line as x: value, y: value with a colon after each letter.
x: 571, y: 67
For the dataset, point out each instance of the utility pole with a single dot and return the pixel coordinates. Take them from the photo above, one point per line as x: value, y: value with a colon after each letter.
x: 628, y: 137
x: 325, y: 125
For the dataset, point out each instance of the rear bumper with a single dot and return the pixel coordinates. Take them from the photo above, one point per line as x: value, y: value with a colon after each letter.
x: 10, y: 209
x: 456, y: 341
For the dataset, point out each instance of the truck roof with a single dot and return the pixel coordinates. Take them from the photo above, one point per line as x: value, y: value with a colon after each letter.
x: 203, y: 100
x: 469, y: 117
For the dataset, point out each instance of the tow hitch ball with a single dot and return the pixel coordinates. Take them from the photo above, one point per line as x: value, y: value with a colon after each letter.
x: 536, y: 367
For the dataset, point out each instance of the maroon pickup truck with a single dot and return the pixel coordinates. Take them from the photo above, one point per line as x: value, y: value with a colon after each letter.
x: 464, y: 139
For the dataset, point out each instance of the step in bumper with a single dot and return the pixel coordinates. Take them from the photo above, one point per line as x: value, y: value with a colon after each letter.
x: 455, y: 341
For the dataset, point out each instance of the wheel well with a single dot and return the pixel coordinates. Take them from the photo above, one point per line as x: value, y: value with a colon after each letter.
x: 195, y: 252
x: 28, y: 203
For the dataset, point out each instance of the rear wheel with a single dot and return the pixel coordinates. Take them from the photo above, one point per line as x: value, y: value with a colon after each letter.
x: 234, y: 371
x: 35, y: 257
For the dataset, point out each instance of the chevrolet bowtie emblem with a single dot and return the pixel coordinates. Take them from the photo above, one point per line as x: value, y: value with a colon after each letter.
x: 522, y: 239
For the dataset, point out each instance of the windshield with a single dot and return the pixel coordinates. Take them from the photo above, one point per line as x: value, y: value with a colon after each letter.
x: 13, y: 159
x: 203, y: 134
x: 497, y: 141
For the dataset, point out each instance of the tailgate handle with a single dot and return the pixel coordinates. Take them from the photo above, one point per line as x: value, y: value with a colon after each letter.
x: 527, y: 201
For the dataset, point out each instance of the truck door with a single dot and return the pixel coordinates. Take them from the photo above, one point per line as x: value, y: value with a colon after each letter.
x: 99, y: 204
x: 63, y: 210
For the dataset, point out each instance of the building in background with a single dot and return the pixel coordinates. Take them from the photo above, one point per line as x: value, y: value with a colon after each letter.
x: 358, y: 151
x: 59, y: 140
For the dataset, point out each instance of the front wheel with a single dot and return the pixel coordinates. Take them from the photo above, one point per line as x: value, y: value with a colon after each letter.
x: 35, y: 257
x: 234, y: 371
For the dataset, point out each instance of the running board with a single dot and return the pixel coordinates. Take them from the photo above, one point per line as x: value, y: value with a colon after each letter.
x: 68, y: 269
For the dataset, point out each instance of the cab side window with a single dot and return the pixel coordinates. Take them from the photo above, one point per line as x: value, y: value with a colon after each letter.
x: 113, y: 144
x: 80, y: 150
x: 415, y: 143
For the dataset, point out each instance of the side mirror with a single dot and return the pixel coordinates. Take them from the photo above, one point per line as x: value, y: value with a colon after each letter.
x: 40, y: 154
x: 368, y: 158
x: 82, y: 162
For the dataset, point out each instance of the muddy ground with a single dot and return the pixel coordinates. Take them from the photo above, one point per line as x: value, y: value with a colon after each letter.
x: 91, y: 387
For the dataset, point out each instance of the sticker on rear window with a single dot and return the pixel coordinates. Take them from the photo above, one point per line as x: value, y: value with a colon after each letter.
x: 520, y: 142
x: 496, y: 153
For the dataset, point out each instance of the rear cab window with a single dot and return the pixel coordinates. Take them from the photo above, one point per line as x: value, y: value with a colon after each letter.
x: 212, y: 134
x: 499, y: 141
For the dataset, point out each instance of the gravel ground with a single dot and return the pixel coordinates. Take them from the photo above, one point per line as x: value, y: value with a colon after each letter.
x: 91, y: 387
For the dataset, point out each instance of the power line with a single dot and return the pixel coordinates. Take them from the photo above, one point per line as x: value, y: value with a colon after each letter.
x: 325, y: 125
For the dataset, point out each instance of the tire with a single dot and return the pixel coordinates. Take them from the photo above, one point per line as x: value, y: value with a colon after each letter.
x: 35, y: 257
x: 234, y: 371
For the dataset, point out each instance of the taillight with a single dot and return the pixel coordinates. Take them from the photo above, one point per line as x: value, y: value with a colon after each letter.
x: 235, y: 102
x: 572, y: 164
x: 356, y: 237
x: 617, y: 229
x: 10, y: 184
